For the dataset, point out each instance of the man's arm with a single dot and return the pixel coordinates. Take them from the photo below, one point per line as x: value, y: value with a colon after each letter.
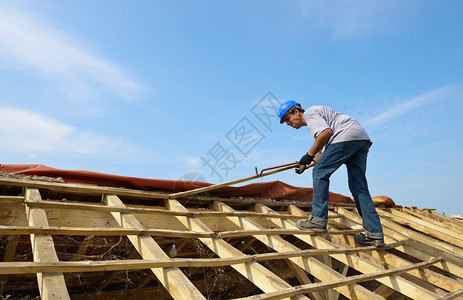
x: 320, y: 141
x: 307, y: 160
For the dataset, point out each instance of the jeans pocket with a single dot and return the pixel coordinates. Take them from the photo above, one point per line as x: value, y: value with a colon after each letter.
x: 349, y: 148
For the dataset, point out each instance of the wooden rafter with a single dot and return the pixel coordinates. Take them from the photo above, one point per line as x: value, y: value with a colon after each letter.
x: 423, y: 258
x: 341, y: 282
x: 253, y: 271
x: 309, y: 264
x: 404, y: 286
x: 422, y: 251
x: 172, y: 278
x: 436, y: 280
x: 51, y: 284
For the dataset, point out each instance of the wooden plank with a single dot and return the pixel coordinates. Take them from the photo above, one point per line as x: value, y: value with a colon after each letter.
x: 434, y: 278
x: 240, y: 233
x: 115, y: 274
x: 416, y: 235
x: 309, y: 264
x: 343, y: 271
x: 445, y: 234
x: 129, y: 264
x: 84, y: 189
x: 82, y: 248
x: 9, y: 256
x: 384, y: 291
x: 340, y: 282
x: 443, y: 219
x: 172, y: 278
x: 11, y: 199
x: 300, y: 274
x: 423, y: 277
x: 422, y: 249
x: 426, y: 216
x: 453, y: 295
x: 11, y: 248
x: 89, y: 231
x: 253, y: 271
x: 51, y: 285
x: 201, y: 213
x: 87, y: 189
x: 396, y: 282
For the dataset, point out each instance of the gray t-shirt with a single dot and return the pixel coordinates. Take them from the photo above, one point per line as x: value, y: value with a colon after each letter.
x: 345, y: 128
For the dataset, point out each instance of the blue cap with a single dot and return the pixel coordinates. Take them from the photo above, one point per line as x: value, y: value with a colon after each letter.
x: 285, y: 107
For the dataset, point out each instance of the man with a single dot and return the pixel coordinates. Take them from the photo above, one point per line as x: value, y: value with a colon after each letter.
x: 339, y: 139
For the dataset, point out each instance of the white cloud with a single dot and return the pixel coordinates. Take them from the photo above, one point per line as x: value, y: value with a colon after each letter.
x: 353, y: 18
x: 26, y: 42
x: 409, y: 105
x: 32, y: 134
x: 193, y: 161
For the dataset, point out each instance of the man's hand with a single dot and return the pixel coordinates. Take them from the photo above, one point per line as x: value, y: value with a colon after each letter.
x: 306, y: 159
x: 300, y: 169
x: 304, y: 163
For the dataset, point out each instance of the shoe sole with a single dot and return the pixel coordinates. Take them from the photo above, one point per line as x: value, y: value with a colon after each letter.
x: 372, y: 243
x: 312, y: 229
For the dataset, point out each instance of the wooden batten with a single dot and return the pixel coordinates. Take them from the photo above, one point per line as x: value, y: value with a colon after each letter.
x: 85, y: 241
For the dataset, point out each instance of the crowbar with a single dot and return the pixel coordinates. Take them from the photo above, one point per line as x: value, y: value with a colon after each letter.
x: 264, y: 172
x: 276, y: 167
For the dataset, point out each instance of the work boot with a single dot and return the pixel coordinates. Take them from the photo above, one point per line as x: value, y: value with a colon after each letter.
x: 364, y: 240
x: 307, y: 225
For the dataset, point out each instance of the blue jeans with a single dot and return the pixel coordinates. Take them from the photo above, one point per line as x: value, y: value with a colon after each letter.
x: 354, y: 155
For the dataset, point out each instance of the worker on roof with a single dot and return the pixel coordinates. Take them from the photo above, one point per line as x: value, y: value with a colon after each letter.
x: 339, y: 139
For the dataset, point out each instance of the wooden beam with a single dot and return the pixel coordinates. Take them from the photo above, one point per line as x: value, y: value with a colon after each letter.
x: 301, y: 275
x: 253, y: 271
x: 135, y: 264
x: 343, y: 271
x: 427, y: 275
x: 199, y: 214
x: 413, y: 234
x: 279, y: 231
x: 384, y: 291
x: 89, y: 231
x: 405, y: 287
x: 8, y: 256
x: 309, y: 264
x: 453, y: 295
x: 426, y: 278
x: 51, y: 285
x: 172, y: 278
x: 114, y: 274
x: 83, y: 246
x: 343, y: 281
x: 11, y: 199
x: 85, y: 189
x: 445, y: 234
x: 426, y: 216
x: 420, y: 250
x: 440, y: 218
x: 88, y: 189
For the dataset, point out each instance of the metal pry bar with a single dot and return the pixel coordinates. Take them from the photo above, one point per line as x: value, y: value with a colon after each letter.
x: 276, y: 167
x: 268, y: 171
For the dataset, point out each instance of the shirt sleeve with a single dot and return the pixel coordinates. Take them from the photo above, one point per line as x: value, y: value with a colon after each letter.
x: 315, y: 122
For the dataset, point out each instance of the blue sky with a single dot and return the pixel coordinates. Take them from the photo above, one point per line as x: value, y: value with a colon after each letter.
x: 170, y: 89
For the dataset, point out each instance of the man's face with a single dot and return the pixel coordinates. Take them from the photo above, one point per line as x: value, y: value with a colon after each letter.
x: 294, y: 119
